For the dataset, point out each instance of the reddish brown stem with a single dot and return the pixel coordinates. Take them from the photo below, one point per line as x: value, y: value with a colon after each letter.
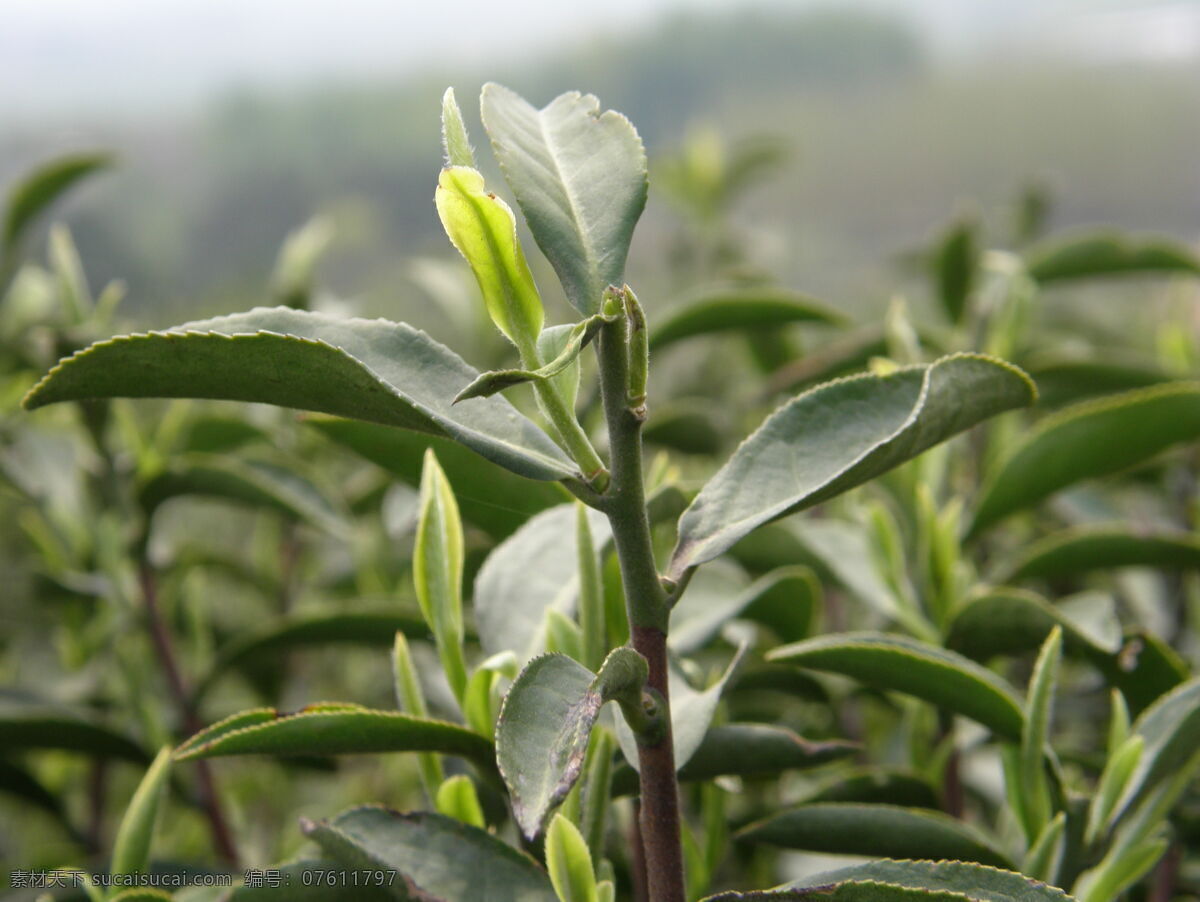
x: 165, y: 649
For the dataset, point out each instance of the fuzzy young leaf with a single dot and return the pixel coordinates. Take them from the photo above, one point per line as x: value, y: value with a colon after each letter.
x: 438, y: 570
x: 901, y: 664
x: 569, y: 862
x: 455, y: 143
x: 131, y: 850
x: 334, y: 729
x: 847, y: 828
x: 811, y: 449
x: 740, y: 309
x: 1090, y: 440
x: 482, y: 227
x: 436, y: 857
x: 579, y: 176
x: 371, y: 370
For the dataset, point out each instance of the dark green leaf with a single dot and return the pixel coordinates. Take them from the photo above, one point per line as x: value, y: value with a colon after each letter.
x: 684, y: 426
x: 901, y: 664
x: 333, y: 729
x: 531, y: 571
x: 1108, y: 253
x: 253, y: 483
x: 377, y: 628
x: 370, y: 370
x: 37, y: 725
x: 955, y: 266
x: 875, y: 881
x: 19, y: 783
x: 579, y: 176
x: 811, y: 449
x: 1065, y: 380
x: 746, y: 750
x: 1079, y: 550
x: 489, y: 496
x: 737, y: 308
x: 850, y: 828
x: 436, y: 857
x: 41, y: 187
x: 1090, y: 440
x: 878, y: 786
x: 211, y: 434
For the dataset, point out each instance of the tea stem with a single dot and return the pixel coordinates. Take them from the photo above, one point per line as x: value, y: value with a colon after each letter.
x: 648, y: 609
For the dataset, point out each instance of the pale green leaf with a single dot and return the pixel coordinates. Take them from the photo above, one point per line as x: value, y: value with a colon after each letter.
x: 900, y: 664
x: 131, y: 849
x: 482, y: 227
x: 569, y: 862
x: 579, y: 176
x: 1034, y: 735
x: 455, y: 143
x: 40, y: 188
x: 371, y: 370
x: 456, y: 798
x: 814, y: 448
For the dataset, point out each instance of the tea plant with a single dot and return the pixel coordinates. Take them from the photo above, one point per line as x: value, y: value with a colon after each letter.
x: 592, y: 594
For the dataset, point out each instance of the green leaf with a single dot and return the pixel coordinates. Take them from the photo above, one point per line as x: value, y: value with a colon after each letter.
x: 543, y: 733
x: 455, y: 143
x: 811, y: 450
x: 1044, y: 857
x: 1065, y: 378
x: 849, y: 828
x: 21, y: 784
x: 211, y: 434
x: 737, y: 308
x: 489, y: 496
x: 1086, y: 548
x: 788, y: 597
x: 73, y: 290
x: 750, y: 750
x: 1005, y: 621
x: 312, y: 880
x: 533, y: 570
x: 488, y: 384
x: 483, y: 229
x: 876, y: 785
x: 40, y: 188
x: 456, y: 798
x: 438, y: 571
x: 579, y: 176
x: 333, y: 729
x: 1115, y: 777
x: 1170, y: 731
x: 131, y: 849
x: 292, y: 280
x: 956, y: 267
x: 901, y: 664
x: 569, y: 862
x: 1087, y: 441
x: 31, y: 724
x: 254, y: 483
x: 1038, y: 710
x: 1108, y: 253
x: 935, y: 880
x: 371, y: 370
x: 436, y: 857
x: 376, y: 628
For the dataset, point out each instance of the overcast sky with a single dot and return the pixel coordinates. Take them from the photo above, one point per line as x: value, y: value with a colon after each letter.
x: 69, y: 56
